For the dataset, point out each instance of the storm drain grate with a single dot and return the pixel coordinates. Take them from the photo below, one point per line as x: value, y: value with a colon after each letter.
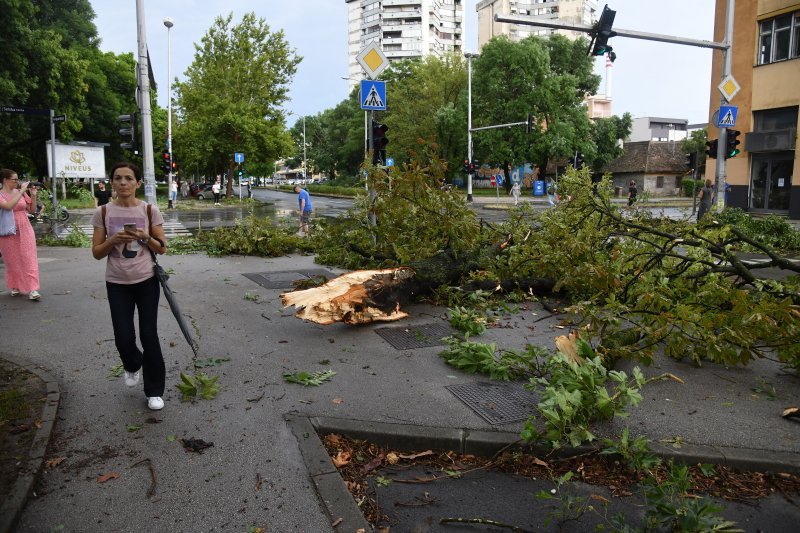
x: 284, y: 279
x: 420, y: 336
x: 497, y: 403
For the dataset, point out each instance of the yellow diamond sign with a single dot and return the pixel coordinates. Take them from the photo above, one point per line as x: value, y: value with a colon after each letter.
x: 728, y: 87
x: 372, y: 60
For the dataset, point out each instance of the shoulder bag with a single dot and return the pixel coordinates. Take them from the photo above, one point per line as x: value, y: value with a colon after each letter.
x: 8, y: 225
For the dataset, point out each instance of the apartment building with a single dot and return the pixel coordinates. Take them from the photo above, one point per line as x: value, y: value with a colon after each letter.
x: 580, y: 11
x: 766, y: 65
x: 405, y: 29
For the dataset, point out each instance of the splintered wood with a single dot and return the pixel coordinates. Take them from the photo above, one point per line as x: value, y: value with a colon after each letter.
x: 358, y: 297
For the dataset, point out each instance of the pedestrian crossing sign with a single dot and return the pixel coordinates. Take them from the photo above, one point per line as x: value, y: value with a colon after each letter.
x: 727, y: 116
x: 373, y: 95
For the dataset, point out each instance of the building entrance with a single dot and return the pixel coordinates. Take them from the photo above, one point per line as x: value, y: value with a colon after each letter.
x: 771, y: 182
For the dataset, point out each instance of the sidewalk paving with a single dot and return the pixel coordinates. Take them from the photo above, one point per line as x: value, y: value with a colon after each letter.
x: 104, y: 427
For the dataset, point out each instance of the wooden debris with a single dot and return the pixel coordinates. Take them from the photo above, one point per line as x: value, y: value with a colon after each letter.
x: 359, y: 297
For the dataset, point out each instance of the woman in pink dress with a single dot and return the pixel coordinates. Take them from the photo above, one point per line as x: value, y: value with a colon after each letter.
x: 19, y: 250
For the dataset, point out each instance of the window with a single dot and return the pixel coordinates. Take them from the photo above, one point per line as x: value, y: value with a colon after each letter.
x: 659, y: 182
x: 678, y: 182
x: 779, y: 38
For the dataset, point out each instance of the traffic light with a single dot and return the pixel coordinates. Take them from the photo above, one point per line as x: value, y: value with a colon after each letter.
x: 379, y: 142
x: 472, y: 166
x: 529, y: 125
x: 166, y: 162
x: 711, y: 148
x: 731, y: 143
x: 578, y: 160
x: 691, y: 161
x: 466, y: 166
x: 602, y: 33
x: 129, y: 129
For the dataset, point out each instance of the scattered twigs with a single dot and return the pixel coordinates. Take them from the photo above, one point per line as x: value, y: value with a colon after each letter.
x: 447, y: 475
x: 485, y: 522
x: 153, y: 481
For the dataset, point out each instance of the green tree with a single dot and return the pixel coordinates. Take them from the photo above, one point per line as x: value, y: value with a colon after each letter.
x: 547, y: 78
x: 428, y: 103
x: 231, y: 98
x: 606, y: 136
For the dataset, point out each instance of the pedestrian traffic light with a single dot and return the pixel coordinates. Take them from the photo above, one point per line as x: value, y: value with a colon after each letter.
x: 379, y: 142
x: 711, y: 148
x: 731, y: 143
x: 466, y: 166
x: 472, y: 166
x: 578, y: 162
x: 602, y: 32
x: 529, y: 124
x: 166, y: 162
x: 129, y: 129
x: 691, y: 161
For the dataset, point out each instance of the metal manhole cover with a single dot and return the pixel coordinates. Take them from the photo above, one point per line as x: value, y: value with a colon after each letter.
x: 284, y: 279
x: 419, y: 336
x: 497, y: 403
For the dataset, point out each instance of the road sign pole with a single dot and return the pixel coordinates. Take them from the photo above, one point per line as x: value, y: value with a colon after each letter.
x: 144, y: 105
x: 721, y: 168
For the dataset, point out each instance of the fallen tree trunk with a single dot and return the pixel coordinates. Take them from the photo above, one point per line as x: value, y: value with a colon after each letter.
x: 358, y: 297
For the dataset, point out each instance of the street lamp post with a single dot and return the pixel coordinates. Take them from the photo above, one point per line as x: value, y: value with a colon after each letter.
x: 169, y: 23
x: 469, y: 122
x: 305, y: 162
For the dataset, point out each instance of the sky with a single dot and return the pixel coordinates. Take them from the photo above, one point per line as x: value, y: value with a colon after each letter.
x: 648, y: 78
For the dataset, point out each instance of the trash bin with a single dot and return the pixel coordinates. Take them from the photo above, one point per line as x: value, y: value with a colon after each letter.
x: 617, y: 191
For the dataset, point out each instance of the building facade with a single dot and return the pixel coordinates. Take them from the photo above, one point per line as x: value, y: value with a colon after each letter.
x: 659, y: 129
x: 766, y: 65
x: 580, y: 11
x: 657, y: 167
x: 405, y: 29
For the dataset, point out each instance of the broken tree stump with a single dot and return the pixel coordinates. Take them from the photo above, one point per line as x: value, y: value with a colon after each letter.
x: 358, y: 297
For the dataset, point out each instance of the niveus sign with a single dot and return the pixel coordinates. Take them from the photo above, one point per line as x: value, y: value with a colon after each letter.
x: 77, y: 161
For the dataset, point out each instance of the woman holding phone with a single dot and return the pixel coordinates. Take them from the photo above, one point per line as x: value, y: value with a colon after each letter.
x: 19, y: 250
x: 125, y: 232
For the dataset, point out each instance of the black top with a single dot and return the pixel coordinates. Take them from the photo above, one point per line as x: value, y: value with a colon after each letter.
x: 103, y: 197
x: 632, y: 191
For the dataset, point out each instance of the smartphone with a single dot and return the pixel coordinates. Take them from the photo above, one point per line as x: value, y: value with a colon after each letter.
x: 129, y: 227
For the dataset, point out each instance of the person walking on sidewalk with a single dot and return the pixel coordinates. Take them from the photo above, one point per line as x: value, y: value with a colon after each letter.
x: 125, y: 232
x: 706, y: 196
x: 19, y: 250
x: 304, y: 200
x: 515, y: 192
x: 632, y: 192
x: 215, y: 189
x: 101, y: 195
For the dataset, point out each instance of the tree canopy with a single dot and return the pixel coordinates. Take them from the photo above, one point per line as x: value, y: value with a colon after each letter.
x: 232, y: 95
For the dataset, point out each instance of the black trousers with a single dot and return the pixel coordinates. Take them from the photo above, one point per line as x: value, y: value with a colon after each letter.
x: 216, y: 197
x: 143, y: 296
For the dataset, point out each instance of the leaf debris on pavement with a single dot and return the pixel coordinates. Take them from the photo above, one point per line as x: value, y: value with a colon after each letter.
x: 195, y: 445
x: 309, y: 378
x: 102, y: 478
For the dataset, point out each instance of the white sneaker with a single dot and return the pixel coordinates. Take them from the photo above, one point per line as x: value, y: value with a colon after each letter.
x: 155, y: 403
x: 34, y: 295
x: 132, y: 378
x: 14, y: 292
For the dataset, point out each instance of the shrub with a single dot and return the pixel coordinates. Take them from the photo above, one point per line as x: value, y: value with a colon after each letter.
x: 690, y: 186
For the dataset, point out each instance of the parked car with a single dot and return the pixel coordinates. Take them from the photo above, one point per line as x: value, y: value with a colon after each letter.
x: 203, y: 191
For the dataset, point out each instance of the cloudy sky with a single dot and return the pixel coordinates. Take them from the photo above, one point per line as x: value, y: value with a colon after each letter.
x: 648, y: 79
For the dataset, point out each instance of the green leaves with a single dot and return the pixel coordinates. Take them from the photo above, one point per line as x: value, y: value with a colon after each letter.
x: 312, y: 379
x: 467, y: 321
x: 198, y: 385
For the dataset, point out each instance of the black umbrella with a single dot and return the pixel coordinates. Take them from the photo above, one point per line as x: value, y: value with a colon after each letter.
x: 173, y: 303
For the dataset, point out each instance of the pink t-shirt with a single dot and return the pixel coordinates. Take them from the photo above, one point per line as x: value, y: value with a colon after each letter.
x: 128, y: 263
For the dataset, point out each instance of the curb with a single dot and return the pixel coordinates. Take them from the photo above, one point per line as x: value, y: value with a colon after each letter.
x: 15, y: 502
x: 338, y: 502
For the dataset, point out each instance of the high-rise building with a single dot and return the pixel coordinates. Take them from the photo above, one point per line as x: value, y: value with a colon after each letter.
x: 404, y: 28
x: 578, y: 11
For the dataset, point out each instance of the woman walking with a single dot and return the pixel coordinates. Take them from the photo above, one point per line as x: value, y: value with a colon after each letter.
x: 19, y: 250
x: 125, y: 232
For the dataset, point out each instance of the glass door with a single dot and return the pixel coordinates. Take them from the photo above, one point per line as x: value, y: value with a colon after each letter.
x: 771, y: 182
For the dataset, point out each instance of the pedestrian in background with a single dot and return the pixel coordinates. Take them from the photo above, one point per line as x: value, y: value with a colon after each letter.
x: 632, y: 192
x: 706, y: 197
x: 304, y: 201
x: 101, y: 195
x: 215, y: 189
x: 125, y: 232
x: 515, y: 192
x: 184, y: 189
x: 173, y: 192
x: 19, y: 250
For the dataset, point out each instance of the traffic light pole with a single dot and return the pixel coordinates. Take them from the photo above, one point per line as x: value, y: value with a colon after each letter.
x: 722, y: 144
x: 469, y: 123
